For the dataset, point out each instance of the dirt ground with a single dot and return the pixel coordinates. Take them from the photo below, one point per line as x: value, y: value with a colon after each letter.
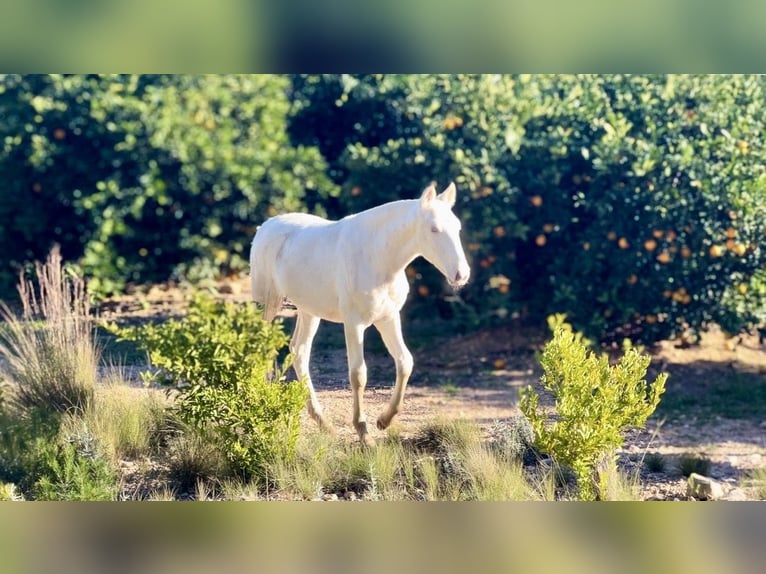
x: 478, y: 376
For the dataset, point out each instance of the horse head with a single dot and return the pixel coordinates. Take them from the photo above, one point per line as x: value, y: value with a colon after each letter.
x: 439, y: 232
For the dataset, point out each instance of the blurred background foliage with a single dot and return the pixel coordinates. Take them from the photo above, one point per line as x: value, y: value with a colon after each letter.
x: 635, y: 204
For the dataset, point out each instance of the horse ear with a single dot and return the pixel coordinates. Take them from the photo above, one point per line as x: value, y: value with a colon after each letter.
x: 429, y: 194
x: 449, y: 195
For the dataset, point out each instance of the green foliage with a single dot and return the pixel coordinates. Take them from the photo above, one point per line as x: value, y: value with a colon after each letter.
x: 135, y: 175
x: 48, y: 464
x: 221, y: 358
x: 595, y: 403
x: 67, y: 473
x: 631, y: 203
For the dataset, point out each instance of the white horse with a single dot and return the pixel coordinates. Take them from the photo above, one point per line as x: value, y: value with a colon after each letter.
x: 352, y: 272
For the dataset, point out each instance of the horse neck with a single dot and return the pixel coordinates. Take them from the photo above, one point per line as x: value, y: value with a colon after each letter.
x: 394, y: 233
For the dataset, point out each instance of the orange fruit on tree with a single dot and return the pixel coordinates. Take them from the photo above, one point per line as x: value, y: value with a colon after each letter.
x: 623, y: 243
x: 686, y: 252
x: 731, y: 233
x: 541, y: 240
x: 611, y: 236
x: 423, y: 291
x: 658, y: 233
x: 664, y: 257
x: 499, y: 231
x: 716, y: 251
x: 670, y: 235
x: 536, y: 200
x: 548, y: 228
x: 650, y: 245
x: 633, y: 279
x: 742, y: 288
x: 730, y: 244
x: 586, y: 246
x: 740, y: 249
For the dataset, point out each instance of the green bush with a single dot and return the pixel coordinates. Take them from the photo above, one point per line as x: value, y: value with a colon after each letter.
x: 595, y: 404
x: 634, y: 204
x: 221, y: 358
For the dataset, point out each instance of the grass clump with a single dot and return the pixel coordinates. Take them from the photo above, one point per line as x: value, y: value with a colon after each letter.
x: 655, y: 462
x: 596, y: 402
x: 689, y: 464
x: 50, y: 354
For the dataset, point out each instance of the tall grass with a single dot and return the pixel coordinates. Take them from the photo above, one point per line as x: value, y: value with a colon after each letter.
x: 50, y: 354
x: 447, y: 460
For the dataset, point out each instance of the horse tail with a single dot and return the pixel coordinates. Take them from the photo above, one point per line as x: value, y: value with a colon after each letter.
x: 263, y: 258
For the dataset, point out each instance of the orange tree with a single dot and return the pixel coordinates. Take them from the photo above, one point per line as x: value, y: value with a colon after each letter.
x: 136, y: 176
x: 635, y: 204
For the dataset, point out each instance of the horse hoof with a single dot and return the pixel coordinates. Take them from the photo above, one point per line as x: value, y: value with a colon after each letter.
x: 381, y: 424
x: 367, y: 441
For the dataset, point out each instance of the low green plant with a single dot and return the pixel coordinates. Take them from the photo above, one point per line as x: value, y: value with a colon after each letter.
x: 689, y: 464
x: 65, y: 472
x: 8, y: 492
x: 222, y: 359
x: 757, y: 479
x: 655, y: 462
x: 596, y: 402
x: 514, y: 438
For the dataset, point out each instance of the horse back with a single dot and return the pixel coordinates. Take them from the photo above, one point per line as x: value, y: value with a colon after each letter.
x: 269, y: 256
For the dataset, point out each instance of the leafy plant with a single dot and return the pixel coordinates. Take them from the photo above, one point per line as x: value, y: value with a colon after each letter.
x: 221, y: 358
x: 66, y: 472
x: 595, y: 403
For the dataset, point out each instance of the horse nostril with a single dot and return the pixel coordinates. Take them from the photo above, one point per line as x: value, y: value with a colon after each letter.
x: 458, y: 277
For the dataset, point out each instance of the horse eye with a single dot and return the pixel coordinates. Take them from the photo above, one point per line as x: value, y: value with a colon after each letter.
x: 434, y: 229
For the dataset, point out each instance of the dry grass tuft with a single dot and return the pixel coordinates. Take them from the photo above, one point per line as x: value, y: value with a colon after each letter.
x: 50, y: 354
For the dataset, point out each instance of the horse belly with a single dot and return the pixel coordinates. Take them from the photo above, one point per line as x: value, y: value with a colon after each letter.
x: 305, y: 276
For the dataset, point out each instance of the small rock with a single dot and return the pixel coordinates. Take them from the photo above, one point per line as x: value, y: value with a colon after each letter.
x: 703, y: 487
x: 350, y: 495
x: 330, y: 497
x: 736, y: 495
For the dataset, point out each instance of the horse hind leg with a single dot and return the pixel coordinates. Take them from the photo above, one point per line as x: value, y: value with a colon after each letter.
x: 357, y: 374
x: 300, y: 346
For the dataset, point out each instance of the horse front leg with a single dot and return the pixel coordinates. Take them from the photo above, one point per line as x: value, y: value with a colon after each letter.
x: 357, y: 376
x: 391, y: 332
x: 300, y: 346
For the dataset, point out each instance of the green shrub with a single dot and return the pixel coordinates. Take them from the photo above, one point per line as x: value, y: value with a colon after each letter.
x: 595, y: 403
x: 71, y: 471
x: 221, y: 358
